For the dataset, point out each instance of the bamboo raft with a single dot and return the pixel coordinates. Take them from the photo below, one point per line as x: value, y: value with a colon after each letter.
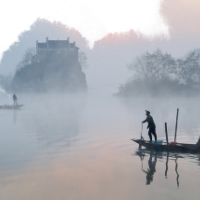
x: 13, y: 107
x: 173, y: 146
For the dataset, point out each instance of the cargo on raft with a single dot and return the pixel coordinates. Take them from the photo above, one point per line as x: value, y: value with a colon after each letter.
x: 11, y: 106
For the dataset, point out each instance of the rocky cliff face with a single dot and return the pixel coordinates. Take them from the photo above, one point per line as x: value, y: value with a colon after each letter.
x: 62, y: 73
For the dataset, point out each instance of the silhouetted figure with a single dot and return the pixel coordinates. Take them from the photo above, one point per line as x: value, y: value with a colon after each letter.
x: 152, y: 169
x: 151, y: 126
x: 15, y: 99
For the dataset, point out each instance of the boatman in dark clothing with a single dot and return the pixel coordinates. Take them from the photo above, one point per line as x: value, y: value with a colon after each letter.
x: 15, y: 99
x: 151, y: 126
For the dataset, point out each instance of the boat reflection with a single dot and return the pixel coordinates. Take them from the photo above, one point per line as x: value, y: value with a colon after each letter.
x: 152, y: 161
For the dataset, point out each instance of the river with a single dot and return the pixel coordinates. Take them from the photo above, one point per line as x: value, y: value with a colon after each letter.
x: 78, y: 147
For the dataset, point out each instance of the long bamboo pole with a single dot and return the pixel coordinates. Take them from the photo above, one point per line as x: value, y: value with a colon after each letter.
x: 176, y: 125
x: 166, y: 133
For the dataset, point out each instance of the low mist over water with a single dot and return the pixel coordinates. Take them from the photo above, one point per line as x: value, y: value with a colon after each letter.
x: 79, y: 147
x: 78, y: 82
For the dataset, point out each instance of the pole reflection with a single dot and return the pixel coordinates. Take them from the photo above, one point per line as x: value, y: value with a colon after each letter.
x: 166, y: 169
x: 176, y: 170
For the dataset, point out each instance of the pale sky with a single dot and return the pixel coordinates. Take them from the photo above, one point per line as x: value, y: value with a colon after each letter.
x: 93, y: 18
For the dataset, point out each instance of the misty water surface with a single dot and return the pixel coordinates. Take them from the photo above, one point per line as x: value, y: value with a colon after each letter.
x: 78, y: 147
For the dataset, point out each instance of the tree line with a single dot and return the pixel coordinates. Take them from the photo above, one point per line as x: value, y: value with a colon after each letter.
x: 159, y: 73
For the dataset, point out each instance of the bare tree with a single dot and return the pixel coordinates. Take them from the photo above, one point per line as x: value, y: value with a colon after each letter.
x: 155, y: 66
x: 158, y: 73
x: 188, y: 70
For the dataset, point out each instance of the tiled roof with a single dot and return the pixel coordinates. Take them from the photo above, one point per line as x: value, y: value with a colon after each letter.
x: 58, y: 43
x: 42, y: 45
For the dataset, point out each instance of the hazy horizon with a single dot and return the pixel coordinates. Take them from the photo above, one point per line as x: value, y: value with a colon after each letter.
x: 112, y: 50
x: 70, y: 111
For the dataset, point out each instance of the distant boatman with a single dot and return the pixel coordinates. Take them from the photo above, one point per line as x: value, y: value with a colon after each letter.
x: 15, y: 99
x: 151, y: 126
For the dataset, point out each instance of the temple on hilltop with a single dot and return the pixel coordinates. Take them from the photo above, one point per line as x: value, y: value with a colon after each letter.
x: 52, y: 49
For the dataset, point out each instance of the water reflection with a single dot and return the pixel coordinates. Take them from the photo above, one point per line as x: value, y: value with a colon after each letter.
x: 58, y: 146
x: 151, y: 165
x: 57, y: 130
x: 176, y: 170
x: 55, y: 122
x: 39, y: 132
x: 167, y: 160
x: 15, y: 116
x: 152, y: 161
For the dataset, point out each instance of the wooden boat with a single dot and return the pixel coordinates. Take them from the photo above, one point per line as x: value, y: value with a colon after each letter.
x: 173, y: 146
x: 11, y: 106
x: 166, y: 146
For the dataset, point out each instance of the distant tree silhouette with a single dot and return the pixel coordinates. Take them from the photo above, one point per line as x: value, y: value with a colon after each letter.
x: 5, y: 81
x: 188, y: 69
x: 158, y: 74
x: 155, y: 66
x: 26, y: 59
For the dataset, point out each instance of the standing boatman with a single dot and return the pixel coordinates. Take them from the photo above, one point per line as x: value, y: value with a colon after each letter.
x: 151, y: 126
x: 15, y: 99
